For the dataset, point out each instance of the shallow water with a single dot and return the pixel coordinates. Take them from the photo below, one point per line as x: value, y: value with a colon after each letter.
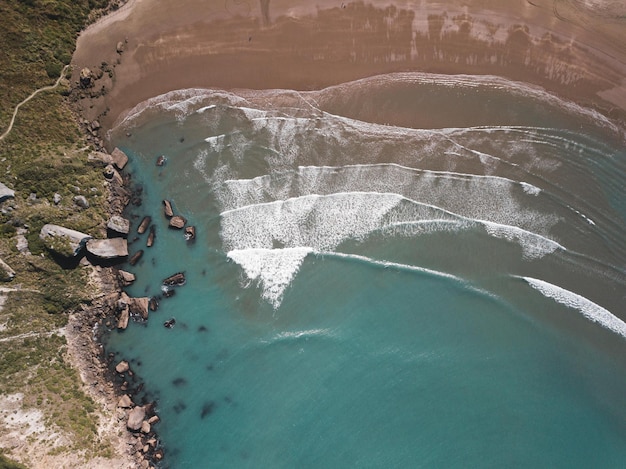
x: 403, y: 293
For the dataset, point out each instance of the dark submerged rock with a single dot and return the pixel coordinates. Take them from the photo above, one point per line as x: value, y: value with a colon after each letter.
x: 135, y: 257
x: 178, y: 279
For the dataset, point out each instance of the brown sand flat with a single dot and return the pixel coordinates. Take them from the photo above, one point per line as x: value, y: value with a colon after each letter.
x: 573, y: 48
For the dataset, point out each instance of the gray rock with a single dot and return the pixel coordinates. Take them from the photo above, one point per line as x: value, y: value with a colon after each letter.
x: 120, y: 47
x: 135, y: 418
x: 119, y: 224
x: 56, y: 198
x: 6, y: 272
x: 81, y: 201
x: 108, y: 248
x: 62, y: 240
x: 6, y: 193
x: 21, y: 241
x: 119, y: 158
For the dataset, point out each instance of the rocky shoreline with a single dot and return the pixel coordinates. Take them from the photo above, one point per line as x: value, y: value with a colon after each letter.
x: 111, y: 385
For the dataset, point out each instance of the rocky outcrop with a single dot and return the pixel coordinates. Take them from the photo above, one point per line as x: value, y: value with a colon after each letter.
x: 119, y: 225
x: 6, y: 272
x: 135, y: 418
x: 86, y: 78
x: 177, y: 222
x: 190, y: 233
x: 6, y: 193
x: 125, y: 278
x: 63, y: 241
x: 124, y: 312
x: 108, y: 249
x: 111, y: 174
x: 119, y: 158
x: 139, y: 307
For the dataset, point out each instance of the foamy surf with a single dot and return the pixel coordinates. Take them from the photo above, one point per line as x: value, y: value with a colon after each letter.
x: 589, y: 309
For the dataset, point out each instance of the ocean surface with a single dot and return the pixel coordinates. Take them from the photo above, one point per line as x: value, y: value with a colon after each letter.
x: 442, y: 289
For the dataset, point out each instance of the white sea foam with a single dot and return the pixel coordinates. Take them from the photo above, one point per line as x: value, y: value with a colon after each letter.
x: 587, y: 308
x: 274, y: 269
x: 491, y: 198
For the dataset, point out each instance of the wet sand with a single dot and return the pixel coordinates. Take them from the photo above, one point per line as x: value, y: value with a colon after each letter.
x: 571, y: 48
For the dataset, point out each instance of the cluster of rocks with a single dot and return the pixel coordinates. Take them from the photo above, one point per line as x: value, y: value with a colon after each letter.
x: 71, y: 245
x: 140, y: 420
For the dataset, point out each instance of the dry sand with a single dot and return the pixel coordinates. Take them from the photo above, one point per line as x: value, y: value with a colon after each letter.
x: 572, y: 48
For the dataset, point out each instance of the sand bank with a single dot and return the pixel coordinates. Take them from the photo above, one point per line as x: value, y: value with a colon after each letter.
x: 570, y: 48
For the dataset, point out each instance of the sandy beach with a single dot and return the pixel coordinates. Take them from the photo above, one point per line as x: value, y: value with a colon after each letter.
x: 301, y: 46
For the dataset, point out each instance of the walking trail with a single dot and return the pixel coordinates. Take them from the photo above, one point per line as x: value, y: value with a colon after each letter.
x: 32, y: 95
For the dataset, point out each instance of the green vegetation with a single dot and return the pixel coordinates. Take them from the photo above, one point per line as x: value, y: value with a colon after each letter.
x: 6, y: 463
x: 45, y: 154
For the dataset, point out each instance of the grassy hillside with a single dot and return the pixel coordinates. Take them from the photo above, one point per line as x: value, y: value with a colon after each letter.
x: 45, y: 154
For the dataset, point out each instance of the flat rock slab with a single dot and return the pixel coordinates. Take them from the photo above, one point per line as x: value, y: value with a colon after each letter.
x: 6, y: 193
x: 119, y: 158
x: 108, y: 248
x: 119, y: 224
x: 63, y: 240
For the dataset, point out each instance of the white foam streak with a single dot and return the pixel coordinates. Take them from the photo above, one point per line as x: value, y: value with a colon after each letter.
x: 587, y: 308
x: 274, y: 269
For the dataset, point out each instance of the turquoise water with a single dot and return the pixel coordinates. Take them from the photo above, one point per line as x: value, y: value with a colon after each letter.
x: 381, y: 296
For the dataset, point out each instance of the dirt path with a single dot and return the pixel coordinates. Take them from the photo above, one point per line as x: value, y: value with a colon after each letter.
x: 32, y: 95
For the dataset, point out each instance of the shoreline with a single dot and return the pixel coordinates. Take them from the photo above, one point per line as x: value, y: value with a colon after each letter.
x: 282, y: 46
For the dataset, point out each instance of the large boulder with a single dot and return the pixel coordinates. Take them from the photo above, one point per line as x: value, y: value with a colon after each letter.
x: 63, y: 241
x: 135, y: 418
x: 6, y: 193
x: 113, y: 248
x: 119, y: 158
x: 119, y: 224
x: 125, y: 402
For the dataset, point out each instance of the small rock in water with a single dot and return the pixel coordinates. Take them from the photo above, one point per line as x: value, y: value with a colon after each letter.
x: 161, y: 160
x: 122, y: 367
x: 177, y: 222
x: 170, y: 323
x: 145, y: 223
